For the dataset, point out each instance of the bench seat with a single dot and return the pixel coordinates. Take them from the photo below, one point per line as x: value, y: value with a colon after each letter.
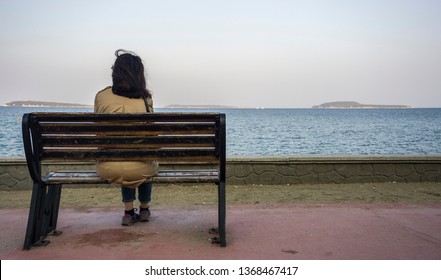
x: 163, y: 177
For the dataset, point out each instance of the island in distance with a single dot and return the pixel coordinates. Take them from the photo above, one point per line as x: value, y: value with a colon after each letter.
x: 59, y: 104
x: 355, y: 105
x: 45, y: 104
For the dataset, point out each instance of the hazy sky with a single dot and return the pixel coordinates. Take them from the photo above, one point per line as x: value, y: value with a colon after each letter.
x: 242, y: 53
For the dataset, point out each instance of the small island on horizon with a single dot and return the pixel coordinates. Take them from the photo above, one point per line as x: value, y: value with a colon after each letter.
x: 44, y: 104
x: 30, y: 103
x: 355, y: 105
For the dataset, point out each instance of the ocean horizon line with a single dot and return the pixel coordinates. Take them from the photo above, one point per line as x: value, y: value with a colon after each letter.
x: 223, y: 107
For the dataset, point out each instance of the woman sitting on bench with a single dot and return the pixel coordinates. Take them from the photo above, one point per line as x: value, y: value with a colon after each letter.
x: 128, y: 94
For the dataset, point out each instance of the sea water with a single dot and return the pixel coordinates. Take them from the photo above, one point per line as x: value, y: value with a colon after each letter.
x: 291, y: 132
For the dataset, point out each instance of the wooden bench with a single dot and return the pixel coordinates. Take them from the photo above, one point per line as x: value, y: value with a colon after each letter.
x: 196, y: 139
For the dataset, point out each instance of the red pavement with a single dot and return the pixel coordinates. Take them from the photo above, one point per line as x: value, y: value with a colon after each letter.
x: 306, y: 232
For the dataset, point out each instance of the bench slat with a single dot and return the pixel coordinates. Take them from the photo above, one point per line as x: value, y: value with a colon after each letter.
x: 201, y: 154
x: 92, y: 117
x: 163, y: 176
x: 132, y: 146
x: 124, y: 141
x: 88, y: 128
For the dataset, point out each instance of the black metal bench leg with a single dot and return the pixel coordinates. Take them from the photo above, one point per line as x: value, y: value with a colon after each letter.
x: 222, y: 215
x: 222, y: 239
x: 43, y: 215
x: 51, y: 210
x: 36, y: 213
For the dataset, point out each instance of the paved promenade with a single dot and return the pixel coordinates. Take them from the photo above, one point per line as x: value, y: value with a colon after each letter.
x: 305, y: 231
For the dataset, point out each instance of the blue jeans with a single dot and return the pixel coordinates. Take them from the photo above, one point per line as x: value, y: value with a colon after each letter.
x: 144, y: 193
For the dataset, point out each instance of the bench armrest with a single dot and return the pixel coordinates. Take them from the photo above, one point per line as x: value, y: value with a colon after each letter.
x: 33, y: 166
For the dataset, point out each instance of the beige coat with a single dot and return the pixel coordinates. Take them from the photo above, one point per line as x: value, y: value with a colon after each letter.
x: 129, y: 174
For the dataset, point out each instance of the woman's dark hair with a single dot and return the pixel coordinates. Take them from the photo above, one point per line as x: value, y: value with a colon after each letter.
x: 128, y: 76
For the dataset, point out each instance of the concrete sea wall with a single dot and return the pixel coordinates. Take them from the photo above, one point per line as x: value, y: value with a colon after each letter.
x: 279, y: 170
x: 332, y: 169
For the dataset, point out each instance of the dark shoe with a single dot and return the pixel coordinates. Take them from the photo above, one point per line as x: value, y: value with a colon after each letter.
x: 128, y: 220
x: 144, y: 214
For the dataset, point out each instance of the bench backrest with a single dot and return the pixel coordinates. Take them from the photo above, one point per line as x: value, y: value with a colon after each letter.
x: 197, y: 138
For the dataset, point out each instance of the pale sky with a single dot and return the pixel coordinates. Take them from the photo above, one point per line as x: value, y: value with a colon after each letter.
x: 240, y: 53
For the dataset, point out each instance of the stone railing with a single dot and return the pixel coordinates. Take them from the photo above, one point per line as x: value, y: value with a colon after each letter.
x: 280, y: 170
